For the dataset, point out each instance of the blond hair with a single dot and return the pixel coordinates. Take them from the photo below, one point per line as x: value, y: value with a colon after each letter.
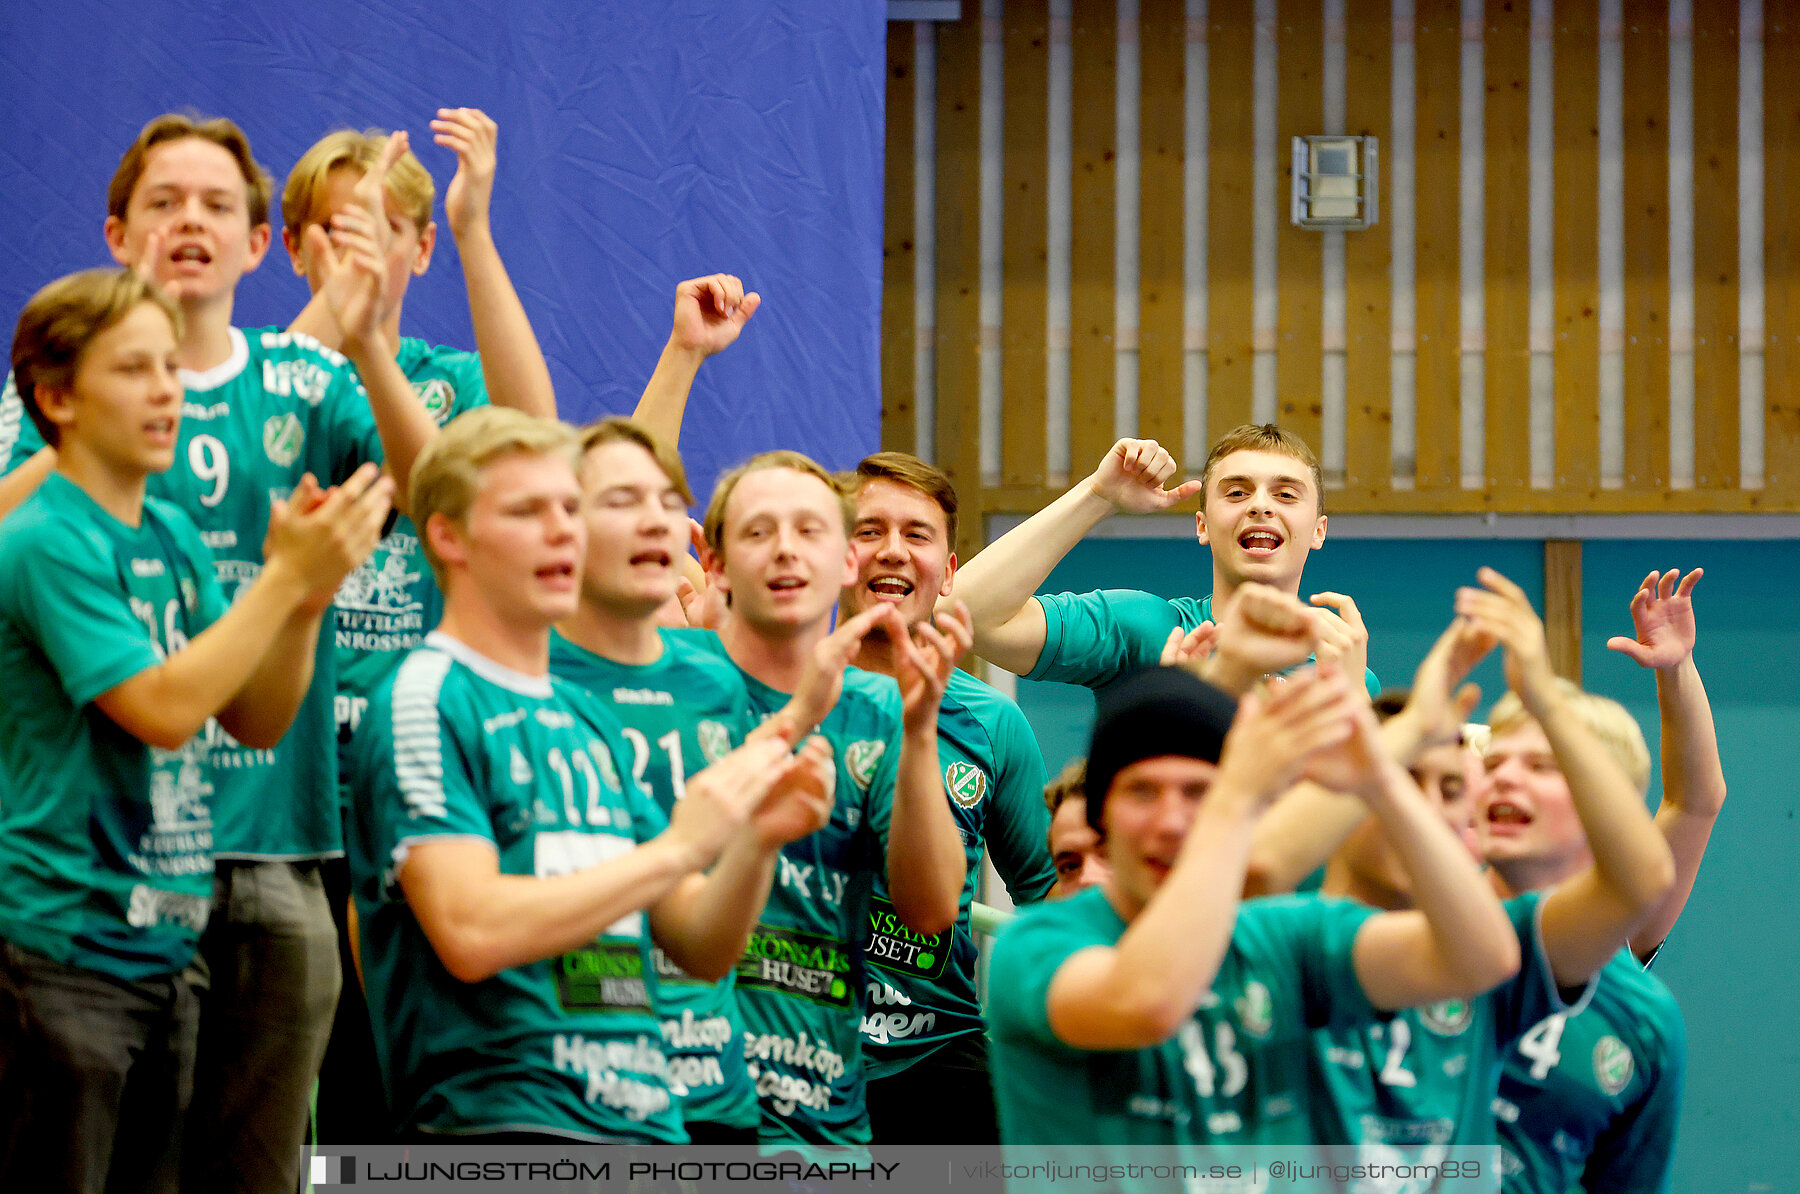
x: 408, y: 183
x: 447, y: 474
x: 177, y: 126
x: 908, y: 470
x: 616, y: 429
x: 1607, y: 720
x: 1263, y: 437
x: 59, y: 323
x: 780, y: 458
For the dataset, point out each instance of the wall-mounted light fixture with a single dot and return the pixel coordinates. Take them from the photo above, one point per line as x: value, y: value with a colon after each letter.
x: 1335, y: 182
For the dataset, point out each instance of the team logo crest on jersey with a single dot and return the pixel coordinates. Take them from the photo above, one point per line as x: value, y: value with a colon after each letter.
x: 283, y: 437
x: 861, y: 757
x: 439, y: 397
x: 966, y: 783
x: 715, y: 741
x: 1612, y: 1064
x: 1256, y: 1009
x: 518, y: 768
x: 1448, y: 1018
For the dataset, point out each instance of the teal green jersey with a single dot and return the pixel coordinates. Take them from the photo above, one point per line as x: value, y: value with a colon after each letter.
x: 1235, y: 1074
x: 921, y: 990
x: 1589, y: 1099
x: 387, y: 604
x: 800, y: 985
x: 105, y: 842
x: 456, y: 746
x: 1097, y: 639
x: 279, y: 407
x: 1423, y: 1080
x: 680, y: 715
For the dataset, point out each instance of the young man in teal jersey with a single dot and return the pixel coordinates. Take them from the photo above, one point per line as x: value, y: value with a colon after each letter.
x: 189, y: 206
x: 683, y: 707
x: 511, y: 873
x: 1425, y: 1079
x: 389, y: 603
x: 777, y: 534
x: 118, y: 647
x: 1160, y: 1009
x: 1590, y: 1100
x: 1262, y: 513
x: 923, y: 1037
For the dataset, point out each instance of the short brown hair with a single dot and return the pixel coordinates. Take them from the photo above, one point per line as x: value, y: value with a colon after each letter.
x: 616, y: 429
x: 447, y: 474
x: 905, y: 469
x: 59, y: 323
x: 1263, y: 437
x: 176, y: 126
x: 1070, y: 784
x: 408, y: 183
x: 780, y: 458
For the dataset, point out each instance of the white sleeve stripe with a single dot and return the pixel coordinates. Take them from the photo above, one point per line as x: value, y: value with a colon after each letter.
x: 418, y: 751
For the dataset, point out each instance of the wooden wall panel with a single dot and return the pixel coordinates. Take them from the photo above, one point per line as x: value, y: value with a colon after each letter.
x: 1576, y: 243
x: 1562, y: 606
x: 1437, y: 290
x: 1093, y: 352
x: 1716, y: 245
x: 1506, y: 47
x: 1368, y: 257
x: 898, y: 252
x: 959, y: 268
x: 1024, y: 240
x: 1230, y: 266
x: 1300, y: 41
x: 1781, y: 255
x: 1644, y: 50
x: 1162, y: 287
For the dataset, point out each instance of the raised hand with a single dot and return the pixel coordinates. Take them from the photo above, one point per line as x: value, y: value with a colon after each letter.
x: 1662, y: 614
x: 1501, y: 610
x: 710, y: 312
x: 1133, y: 474
x: 720, y: 800
x: 1440, y: 701
x: 1342, y: 635
x: 474, y: 137
x: 926, y: 658
x: 800, y: 802
x: 321, y: 535
x: 355, y: 276
x: 1260, y: 630
x: 1281, y: 728
x: 1192, y: 649
x: 152, y: 265
x: 822, y: 682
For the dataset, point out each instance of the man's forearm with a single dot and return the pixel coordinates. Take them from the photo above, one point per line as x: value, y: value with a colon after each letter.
x: 405, y: 425
x: 705, y: 927
x: 925, y: 862
x: 663, y: 405
x: 512, y: 363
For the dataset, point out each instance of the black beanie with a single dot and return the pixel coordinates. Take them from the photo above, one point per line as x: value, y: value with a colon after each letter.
x: 1155, y: 712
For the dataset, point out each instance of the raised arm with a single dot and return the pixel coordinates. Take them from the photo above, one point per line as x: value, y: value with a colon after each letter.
x: 480, y: 921
x: 1308, y: 824
x: 709, y: 314
x: 926, y: 866
x: 1456, y: 941
x: 249, y: 668
x: 1139, y: 991
x: 402, y: 420
x: 511, y: 361
x: 1662, y: 614
x: 999, y: 584
x: 1591, y: 914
